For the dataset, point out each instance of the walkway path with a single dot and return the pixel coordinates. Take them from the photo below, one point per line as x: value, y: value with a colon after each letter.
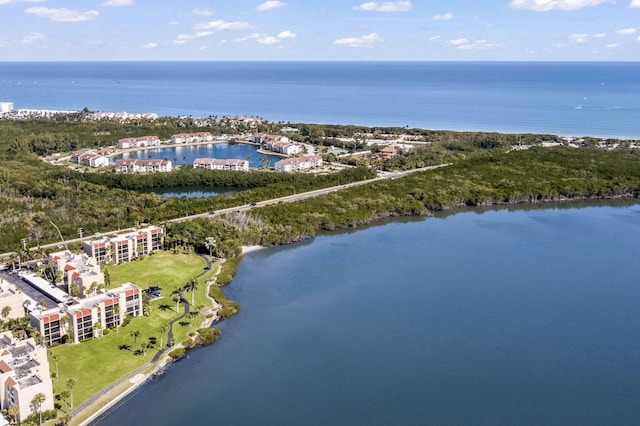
x: 138, y: 371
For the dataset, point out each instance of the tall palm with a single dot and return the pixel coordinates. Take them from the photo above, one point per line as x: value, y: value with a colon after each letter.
x: 71, y: 383
x: 177, y: 296
x: 192, y: 286
x: 135, y: 334
x: 37, y: 401
x: 163, y: 329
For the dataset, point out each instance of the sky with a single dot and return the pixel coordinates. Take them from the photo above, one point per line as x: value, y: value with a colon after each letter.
x: 320, y: 30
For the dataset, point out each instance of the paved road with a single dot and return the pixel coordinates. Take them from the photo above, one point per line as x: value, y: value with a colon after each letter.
x: 245, y: 207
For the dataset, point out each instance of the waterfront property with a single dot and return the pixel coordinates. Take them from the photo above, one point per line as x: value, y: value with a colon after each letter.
x: 298, y: 163
x: 91, y: 157
x: 138, y: 142
x: 277, y: 143
x: 81, y: 272
x: 143, y: 166
x: 125, y: 247
x: 84, y: 318
x: 192, y: 137
x: 24, y: 373
x: 221, y: 164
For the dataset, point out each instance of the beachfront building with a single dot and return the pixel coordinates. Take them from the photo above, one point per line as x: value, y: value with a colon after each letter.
x: 78, y: 319
x: 91, y: 157
x: 79, y: 271
x: 6, y: 107
x: 138, y: 142
x: 11, y: 300
x: 192, y: 137
x: 24, y: 373
x: 143, y: 166
x: 125, y: 247
x: 221, y: 164
x: 298, y: 163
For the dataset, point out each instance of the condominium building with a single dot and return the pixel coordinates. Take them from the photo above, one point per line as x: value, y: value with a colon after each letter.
x: 78, y: 319
x: 80, y: 272
x: 91, y: 158
x: 24, y: 373
x: 138, y: 142
x: 11, y: 300
x: 143, y: 166
x: 192, y: 137
x: 221, y: 164
x: 125, y: 247
x: 298, y: 163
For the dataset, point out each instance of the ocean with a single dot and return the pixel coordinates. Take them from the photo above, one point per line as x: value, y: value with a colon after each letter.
x: 599, y: 99
x: 490, y: 317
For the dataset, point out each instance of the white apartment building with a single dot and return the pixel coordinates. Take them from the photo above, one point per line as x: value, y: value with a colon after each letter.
x: 125, y: 247
x: 298, y: 163
x: 12, y: 298
x: 221, y: 164
x: 6, y: 107
x: 24, y: 373
x: 79, y: 271
x: 138, y: 142
x: 143, y: 166
x: 192, y: 137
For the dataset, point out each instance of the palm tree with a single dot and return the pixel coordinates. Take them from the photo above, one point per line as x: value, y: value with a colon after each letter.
x: 37, y: 402
x: 25, y: 305
x: 135, y: 334
x: 192, y: 286
x: 163, y: 329
x: 13, y: 412
x: 6, y: 310
x: 97, y: 327
x: 177, y: 296
x: 71, y: 384
x: 55, y: 358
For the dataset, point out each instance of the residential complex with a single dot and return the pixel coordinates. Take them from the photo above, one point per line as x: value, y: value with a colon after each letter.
x: 298, y: 163
x: 6, y: 107
x: 11, y: 300
x: 143, y: 166
x: 192, y: 137
x: 125, y: 247
x: 24, y: 373
x: 91, y: 157
x: 276, y: 143
x: 81, y: 273
x: 221, y: 164
x: 138, y: 142
x: 81, y: 319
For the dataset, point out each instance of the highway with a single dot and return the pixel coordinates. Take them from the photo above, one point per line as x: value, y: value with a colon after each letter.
x: 246, y: 207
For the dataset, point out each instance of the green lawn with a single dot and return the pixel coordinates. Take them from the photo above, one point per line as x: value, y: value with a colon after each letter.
x: 96, y: 363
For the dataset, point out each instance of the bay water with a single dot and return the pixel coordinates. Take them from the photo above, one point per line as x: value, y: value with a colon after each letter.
x: 487, y: 317
x: 562, y: 98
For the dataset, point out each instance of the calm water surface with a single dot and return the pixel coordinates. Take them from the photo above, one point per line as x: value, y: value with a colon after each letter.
x: 502, y: 317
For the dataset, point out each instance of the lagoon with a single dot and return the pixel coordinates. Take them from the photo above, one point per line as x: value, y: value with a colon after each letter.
x: 484, y: 317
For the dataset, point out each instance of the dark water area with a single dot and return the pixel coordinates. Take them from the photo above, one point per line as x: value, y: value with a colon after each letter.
x: 195, y: 191
x: 482, y: 317
x: 180, y: 155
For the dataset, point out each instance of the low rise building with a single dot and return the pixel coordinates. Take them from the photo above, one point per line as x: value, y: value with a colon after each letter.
x: 24, y: 373
x: 221, y: 164
x: 298, y: 163
x: 138, y: 142
x: 81, y: 272
x: 192, y: 137
x: 82, y: 318
x: 11, y: 300
x: 90, y: 157
x: 125, y: 247
x: 143, y: 166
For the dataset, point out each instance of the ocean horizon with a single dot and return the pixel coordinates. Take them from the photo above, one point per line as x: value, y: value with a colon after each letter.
x: 599, y: 99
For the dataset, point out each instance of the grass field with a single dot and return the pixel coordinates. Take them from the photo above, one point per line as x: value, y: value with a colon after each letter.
x: 96, y: 363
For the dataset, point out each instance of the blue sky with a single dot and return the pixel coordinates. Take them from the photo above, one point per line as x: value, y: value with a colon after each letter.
x: 530, y: 30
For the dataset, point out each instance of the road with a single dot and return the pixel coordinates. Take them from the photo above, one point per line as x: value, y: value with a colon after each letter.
x: 246, y: 207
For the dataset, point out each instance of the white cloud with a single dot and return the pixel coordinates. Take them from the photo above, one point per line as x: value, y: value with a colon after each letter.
x: 20, y: 1
x: 443, y: 17
x: 364, y: 41
x: 3, y: 43
x: 183, y: 38
x: 579, y: 38
x: 31, y: 37
x: 388, y: 6
x: 117, y: 3
x: 612, y: 45
x: 150, y: 46
x: 458, y: 42
x: 547, y: 5
x: 221, y: 25
x: 626, y: 31
x: 269, y: 5
x: 287, y: 34
x: 63, y: 14
x: 634, y: 3
x: 600, y: 35
x: 268, y: 40
x: 434, y: 38
x: 203, y: 12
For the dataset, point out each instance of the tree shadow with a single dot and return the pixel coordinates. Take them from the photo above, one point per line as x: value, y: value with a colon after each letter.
x: 185, y: 323
x: 164, y: 307
x: 125, y: 347
x: 153, y: 341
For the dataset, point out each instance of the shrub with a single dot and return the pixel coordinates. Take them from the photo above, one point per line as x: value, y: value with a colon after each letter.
x: 177, y: 353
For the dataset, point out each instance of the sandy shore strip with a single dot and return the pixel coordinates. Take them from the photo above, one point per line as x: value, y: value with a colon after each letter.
x: 249, y: 249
